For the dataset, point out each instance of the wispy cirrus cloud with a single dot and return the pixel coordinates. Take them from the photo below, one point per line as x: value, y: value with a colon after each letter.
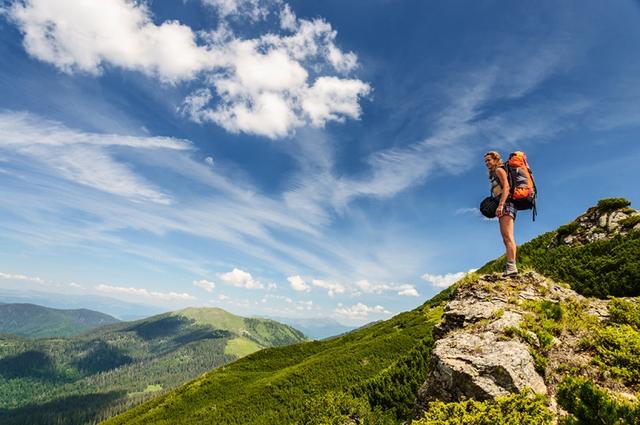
x: 21, y: 277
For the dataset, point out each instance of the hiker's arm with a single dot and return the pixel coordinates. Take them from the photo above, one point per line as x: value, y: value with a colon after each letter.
x: 504, y: 183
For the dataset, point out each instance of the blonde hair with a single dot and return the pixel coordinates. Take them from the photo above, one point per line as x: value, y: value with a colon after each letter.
x: 496, y: 157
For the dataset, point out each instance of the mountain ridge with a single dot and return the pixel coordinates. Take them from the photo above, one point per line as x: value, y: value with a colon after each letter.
x: 31, y: 320
x: 120, y: 364
x: 386, y: 394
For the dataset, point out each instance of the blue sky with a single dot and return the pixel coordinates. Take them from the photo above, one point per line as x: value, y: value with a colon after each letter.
x: 299, y: 159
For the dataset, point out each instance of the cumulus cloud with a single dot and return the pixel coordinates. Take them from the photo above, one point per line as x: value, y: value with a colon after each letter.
x: 409, y: 292
x: 144, y: 293
x: 259, y: 86
x: 205, y: 284
x: 360, y: 311
x: 446, y: 280
x: 86, y: 36
x: 76, y: 285
x: 331, y: 287
x: 21, y: 277
x: 240, y: 279
x: 298, y: 284
x: 265, y: 88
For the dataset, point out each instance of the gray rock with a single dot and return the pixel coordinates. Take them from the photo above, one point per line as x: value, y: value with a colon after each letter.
x: 479, y: 366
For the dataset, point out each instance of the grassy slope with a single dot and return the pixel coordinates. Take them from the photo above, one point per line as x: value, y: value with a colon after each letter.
x: 42, y: 322
x: 271, y: 386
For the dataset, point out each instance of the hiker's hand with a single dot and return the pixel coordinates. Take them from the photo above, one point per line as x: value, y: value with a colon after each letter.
x: 499, y: 210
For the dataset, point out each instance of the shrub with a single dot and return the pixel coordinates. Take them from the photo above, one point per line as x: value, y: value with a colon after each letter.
x: 339, y: 408
x: 617, y: 349
x: 601, y: 268
x: 522, y: 408
x: 587, y: 404
x: 630, y: 222
x: 612, y: 204
x: 625, y: 312
x: 567, y: 229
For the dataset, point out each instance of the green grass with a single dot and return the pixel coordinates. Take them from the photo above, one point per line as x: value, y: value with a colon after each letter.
x: 274, y: 385
x: 241, y: 347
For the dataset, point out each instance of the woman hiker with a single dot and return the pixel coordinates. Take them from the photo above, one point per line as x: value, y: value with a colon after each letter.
x: 506, y: 211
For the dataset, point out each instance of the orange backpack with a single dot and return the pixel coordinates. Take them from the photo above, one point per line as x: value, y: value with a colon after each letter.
x: 523, y: 190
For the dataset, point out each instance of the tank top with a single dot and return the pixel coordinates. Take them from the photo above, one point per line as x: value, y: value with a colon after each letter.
x: 496, y: 187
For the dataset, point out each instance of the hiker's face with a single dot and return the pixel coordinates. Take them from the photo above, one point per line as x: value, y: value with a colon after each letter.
x: 490, y: 162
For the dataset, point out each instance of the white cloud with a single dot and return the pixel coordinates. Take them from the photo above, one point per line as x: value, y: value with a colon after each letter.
x: 223, y: 297
x: 253, y: 9
x: 262, y: 85
x: 446, y: 280
x: 84, y: 158
x: 84, y: 35
x: 298, y: 284
x: 144, y: 293
x: 265, y: 89
x: 209, y: 160
x: 240, y: 279
x: 288, y: 19
x: 469, y: 210
x: 205, y: 284
x: 332, y: 287
x: 409, y: 292
x: 76, y: 285
x: 371, y: 288
x: 360, y: 311
x: 21, y: 277
x: 332, y: 99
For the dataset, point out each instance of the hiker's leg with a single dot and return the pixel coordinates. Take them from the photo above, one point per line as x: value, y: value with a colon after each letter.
x: 506, y: 230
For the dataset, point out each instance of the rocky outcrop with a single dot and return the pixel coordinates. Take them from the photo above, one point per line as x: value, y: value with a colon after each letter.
x: 598, y: 224
x: 476, y: 355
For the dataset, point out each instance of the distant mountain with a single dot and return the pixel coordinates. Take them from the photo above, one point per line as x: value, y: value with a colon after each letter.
x: 116, y: 308
x: 41, y: 322
x: 95, y: 375
x: 316, y: 328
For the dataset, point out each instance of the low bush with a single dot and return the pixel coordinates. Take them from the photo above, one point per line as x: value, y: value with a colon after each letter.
x: 612, y: 204
x: 587, y: 404
x: 522, y: 408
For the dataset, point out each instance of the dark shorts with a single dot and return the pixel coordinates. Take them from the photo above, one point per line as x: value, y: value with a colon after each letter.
x: 510, y: 209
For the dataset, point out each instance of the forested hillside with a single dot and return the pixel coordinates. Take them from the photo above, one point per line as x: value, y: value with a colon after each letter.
x: 93, y: 376
x: 372, y: 375
x: 40, y: 322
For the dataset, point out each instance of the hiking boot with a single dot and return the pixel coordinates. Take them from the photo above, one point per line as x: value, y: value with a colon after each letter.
x: 510, y: 269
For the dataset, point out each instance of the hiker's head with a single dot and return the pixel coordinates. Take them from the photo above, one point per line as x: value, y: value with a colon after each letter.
x: 492, y: 160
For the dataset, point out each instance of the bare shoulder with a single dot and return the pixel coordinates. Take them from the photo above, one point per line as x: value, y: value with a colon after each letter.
x: 501, y: 171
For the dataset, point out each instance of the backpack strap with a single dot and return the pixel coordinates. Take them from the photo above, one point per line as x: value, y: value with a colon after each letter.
x: 534, y: 211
